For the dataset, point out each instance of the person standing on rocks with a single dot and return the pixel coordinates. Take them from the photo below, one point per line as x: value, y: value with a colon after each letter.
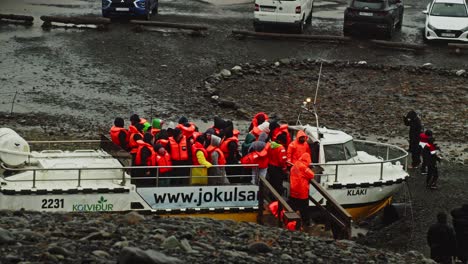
x: 460, y: 223
x: 430, y: 154
x: 424, y: 139
x: 441, y: 240
x: 299, y: 178
x: 412, y: 120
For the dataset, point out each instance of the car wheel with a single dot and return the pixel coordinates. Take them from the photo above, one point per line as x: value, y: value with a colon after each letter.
x: 400, y: 23
x: 346, y: 31
x: 390, y: 30
x: 309, y: 18
x: 300, y: 27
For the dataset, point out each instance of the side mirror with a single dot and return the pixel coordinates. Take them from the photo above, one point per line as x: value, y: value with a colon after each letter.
x: 425, y: 12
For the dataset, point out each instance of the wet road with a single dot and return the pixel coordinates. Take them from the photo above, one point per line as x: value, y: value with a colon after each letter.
x: 90, y: 75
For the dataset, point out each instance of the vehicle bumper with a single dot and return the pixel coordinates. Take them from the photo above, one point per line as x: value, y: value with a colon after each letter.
x: 118, y: 11
x: 258, y: 22
x: 365, y: 25
x: 432, y: 35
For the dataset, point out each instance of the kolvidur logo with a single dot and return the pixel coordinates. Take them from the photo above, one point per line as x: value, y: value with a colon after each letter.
x: 101, y: 205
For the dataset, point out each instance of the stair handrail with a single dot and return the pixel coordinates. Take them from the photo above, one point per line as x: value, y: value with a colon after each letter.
x: 336, y: 214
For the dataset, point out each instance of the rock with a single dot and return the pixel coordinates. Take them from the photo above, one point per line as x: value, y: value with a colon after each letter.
x: 286, y: 257
x: 427, y: 65
x: 131, y: 255
x: 227, y: 103
x: 285, y: 61
x: 362, y: 63
x: 56, y: 250
x: 97, y: 236
x: 185, y: 245
x: 276, y: 64
x: 259, y: 247
x: 171, y: 242
x: 5, y: 236
x: 133, y: 218
x: 460, y: 72
x: 225, y: 73
x: 121, y: 244
x: 101, y: 254
x: 236, y: 68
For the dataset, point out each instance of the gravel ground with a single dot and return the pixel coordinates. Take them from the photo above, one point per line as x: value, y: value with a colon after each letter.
x: 133, y: 238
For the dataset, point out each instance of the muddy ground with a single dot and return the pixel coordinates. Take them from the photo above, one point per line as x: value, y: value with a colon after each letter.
x: 73, y: 83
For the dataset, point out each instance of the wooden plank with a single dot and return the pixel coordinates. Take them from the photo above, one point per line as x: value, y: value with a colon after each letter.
x: 292, y: 36
x: 168, y: 25
x: 16, y: 17
x: 399, y: 45
x: 76, y: 20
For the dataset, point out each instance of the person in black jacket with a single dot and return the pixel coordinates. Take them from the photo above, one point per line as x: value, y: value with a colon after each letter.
x: 412, y: 120
x: 441, y: 240
x: 460, y: 223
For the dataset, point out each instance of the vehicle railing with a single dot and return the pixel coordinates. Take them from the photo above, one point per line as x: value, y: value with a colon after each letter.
x: 400, y: 153
x: 125, y: 174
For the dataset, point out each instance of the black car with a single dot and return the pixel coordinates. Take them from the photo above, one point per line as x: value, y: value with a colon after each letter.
x: 383, y: 15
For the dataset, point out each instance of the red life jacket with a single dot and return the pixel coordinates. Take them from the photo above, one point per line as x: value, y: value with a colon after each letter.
x: 225, y: 143
x: 257, y: 157
x: 277, y: 155
x: 198, y: 147
x: 273, y: 206
x: 164, y: 160
x: 236, y: 133
x: 151, y: 160
x: 282, y: 129
x: 132, y: 143
x: 187, y: 131
x: 114, y: 134
x: 163, y: 142
x: 155, y: 131
x: 299, y: 177
x: 221, y: 158
x: 432, y: 148
x: 179, y: 151
x: 255, y: 121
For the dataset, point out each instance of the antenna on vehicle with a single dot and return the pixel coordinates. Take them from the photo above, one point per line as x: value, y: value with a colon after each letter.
x: 307, y: 104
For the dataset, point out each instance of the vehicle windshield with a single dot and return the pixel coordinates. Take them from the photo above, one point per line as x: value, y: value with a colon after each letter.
x: 339, y: 152
x: 369, y: 4
x: 449, y: 10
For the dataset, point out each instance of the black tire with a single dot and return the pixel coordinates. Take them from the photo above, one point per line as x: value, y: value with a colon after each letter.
x: 399, y: 25
x: 309, y: 18
x: 346, y: 32
x: 389, y: 32
x: 300, y: 27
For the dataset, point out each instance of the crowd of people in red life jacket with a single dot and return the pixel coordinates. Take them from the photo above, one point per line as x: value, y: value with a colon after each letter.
x: 268, y: 145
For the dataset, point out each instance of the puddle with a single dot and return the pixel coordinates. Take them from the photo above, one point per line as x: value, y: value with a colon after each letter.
x: 337, y: 13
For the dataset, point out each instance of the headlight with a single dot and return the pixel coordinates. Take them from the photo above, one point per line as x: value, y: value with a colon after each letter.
x: 106, y: 3
x: 140, y: 4
x: 431, y: 27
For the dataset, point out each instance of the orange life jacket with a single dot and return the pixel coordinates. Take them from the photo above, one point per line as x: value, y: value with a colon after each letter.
x: 151, y: 160
x: 273, y: 206
x: 221, y: 158
x: 132, y: 143
x: 187, y: 131
x: 198, y: 147
x: 164, y: 160
x: 179, y: 151
x: 299, y: 177
x: 236, y: 133
x: 255, y: 121
x: 224, y: 145
x: 257, y: 157
x: 155, y: 131
x: 296, y: 149
x: 281, y: 129
x: 114, y: 134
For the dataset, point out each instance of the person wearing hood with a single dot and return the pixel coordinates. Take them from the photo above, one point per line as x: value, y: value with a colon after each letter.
x: 249, y: 139
x: 187, y: 128
x: 258, y: 155
x: 145, y: 156
x: 460, y: 224
x: 135, y: 119
x: 156, y: 126
x: 258, y: 119
x: 298, y: 147
x: 300, y: 177
x: 262, y: 128
x: 119, y: 134
x: 216, y: 157
x: 136, y: 133
x: 180, y: 150
x: 277, y: 129
x: 441, y: 240
x: 200, y: 157
x: 414, y: 122
x: 423, y: 141
x: 277, y: 164
x: 218, y: 126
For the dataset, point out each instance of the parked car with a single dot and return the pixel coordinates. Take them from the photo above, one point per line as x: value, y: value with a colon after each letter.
x: 447, y: 20
x: 382, y: 15
x: 135, y: 8
x: 292, y: 13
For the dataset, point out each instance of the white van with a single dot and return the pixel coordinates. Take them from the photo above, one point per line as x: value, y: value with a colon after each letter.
x: 296, y: 13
